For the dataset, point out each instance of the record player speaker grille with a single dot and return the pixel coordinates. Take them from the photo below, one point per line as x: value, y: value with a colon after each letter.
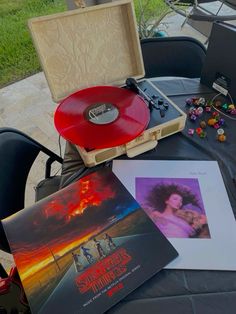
x: 105, y: 155
x: 169, y: 129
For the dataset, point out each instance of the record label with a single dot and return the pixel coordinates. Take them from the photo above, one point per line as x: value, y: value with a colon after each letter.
x: 101, y: 117
x: 101, y: 113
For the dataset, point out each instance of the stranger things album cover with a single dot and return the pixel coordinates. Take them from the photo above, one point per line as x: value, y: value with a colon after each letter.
x: 84, y: 248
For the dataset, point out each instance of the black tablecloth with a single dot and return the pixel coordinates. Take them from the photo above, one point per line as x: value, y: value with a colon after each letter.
x: 189, y: 291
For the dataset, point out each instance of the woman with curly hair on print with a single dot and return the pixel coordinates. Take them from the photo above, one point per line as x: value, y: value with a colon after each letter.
x: 166, y: 203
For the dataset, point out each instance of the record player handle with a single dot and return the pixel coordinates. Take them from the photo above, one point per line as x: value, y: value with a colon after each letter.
x: 142, y: 148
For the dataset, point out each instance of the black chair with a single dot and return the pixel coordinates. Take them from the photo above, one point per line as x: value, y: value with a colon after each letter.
x: 200, y: 13
x: 173, y: 56
x: 18, y: 152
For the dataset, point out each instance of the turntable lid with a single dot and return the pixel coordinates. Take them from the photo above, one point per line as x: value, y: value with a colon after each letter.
x: 97, y: 45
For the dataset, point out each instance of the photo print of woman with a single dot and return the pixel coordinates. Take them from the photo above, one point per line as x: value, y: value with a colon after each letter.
x: 175, y: 206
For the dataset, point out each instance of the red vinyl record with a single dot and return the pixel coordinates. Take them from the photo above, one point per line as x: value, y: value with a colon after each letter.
x: 101, y: 117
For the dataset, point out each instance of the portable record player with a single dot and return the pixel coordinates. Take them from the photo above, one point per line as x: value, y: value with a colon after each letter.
x: 83, y: 51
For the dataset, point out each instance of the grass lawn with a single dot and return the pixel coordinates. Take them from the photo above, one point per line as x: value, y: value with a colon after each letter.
x: 18, y: 57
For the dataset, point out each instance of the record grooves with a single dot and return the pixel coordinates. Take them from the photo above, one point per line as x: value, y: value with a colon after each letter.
x: 101, y: 117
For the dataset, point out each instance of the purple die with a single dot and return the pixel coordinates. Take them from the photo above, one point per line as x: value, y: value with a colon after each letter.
x: 193, y: 117
x: 221, y: 122
x: 190, y: 131
x: 189, y: 101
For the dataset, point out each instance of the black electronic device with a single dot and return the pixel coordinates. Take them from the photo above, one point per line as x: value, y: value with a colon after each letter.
x: 219, y: 67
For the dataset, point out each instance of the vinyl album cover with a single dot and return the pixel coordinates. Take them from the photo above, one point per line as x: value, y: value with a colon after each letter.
x: 188, y: 202
x: 86, y: 247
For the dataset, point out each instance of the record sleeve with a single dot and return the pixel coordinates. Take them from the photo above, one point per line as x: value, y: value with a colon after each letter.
x: 202, y: 226
x: 84, y: 248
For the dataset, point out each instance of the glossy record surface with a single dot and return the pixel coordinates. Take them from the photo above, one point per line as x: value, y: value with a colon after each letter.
x: 72, y: 123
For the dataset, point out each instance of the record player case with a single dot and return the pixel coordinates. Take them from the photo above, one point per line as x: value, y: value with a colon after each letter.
x: 97, y: 45
x: 92, y: 46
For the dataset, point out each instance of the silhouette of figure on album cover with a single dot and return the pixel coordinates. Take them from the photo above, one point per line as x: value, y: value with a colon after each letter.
x: 87, y: 255
x: 99, y: 248
x: 109, y: 242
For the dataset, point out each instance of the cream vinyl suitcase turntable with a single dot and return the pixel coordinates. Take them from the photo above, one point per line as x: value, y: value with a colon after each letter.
x: 93, y: 63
